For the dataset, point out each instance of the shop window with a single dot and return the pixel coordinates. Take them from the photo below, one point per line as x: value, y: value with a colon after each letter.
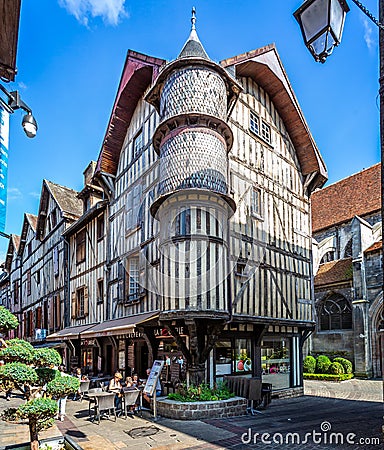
x: 243, y: 361
x: 80, y: 246
x: 223, y: 358
x: 276, y: 361
x: 334, y: 313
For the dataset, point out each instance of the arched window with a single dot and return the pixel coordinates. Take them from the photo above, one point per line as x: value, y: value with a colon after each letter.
x: 329, y: 256
x: 335, y: 313
x: 348, y: 249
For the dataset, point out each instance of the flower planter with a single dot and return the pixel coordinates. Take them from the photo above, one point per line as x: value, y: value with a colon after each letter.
x: 235, y: 406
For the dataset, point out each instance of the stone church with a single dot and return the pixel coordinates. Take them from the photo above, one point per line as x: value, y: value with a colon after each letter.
x: 346, y: 225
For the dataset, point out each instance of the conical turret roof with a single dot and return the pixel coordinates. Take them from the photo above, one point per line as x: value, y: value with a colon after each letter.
x: 193, y: 48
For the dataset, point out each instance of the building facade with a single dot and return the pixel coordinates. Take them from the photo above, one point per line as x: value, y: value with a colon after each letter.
x: 346, y: 223
x: 193, y: 243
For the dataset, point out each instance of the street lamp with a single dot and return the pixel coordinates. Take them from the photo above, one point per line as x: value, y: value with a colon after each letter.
x: 15, y: 102
x: 321, y: 23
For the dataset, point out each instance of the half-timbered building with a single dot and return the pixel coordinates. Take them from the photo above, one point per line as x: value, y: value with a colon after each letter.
x: 208, y: 170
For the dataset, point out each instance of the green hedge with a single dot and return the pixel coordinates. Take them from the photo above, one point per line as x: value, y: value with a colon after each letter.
x: 327, y: 376
x: 309, y: 364
x: 347, y: 365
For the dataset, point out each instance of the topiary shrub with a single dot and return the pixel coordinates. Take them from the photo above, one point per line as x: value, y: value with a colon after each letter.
x: 336, y: 369
x: 322, y: 364
x: 309, y: 364
x: 347, y: 365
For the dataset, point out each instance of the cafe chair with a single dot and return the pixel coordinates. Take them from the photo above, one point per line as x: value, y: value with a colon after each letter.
x: 106, y: 403
x: 130, y: 400
x: 92, y: 400
x: 84, y: 388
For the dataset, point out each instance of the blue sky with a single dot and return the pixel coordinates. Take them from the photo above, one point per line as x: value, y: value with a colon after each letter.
x: 71, y: 54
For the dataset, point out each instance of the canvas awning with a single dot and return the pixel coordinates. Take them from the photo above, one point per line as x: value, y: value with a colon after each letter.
x: 69, y: 332
x: 119, y: 326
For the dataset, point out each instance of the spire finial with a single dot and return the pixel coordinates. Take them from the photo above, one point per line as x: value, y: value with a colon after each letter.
x: 193, y: 19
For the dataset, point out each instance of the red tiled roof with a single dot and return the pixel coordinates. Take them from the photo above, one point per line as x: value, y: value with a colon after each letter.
x: 357, y: 195
x: 376, y: 246
x: 336, y: 271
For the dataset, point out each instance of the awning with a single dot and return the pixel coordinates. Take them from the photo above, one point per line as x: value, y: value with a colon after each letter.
x: 52, y: 344
x: 119, y: 326
x: 69, y: 333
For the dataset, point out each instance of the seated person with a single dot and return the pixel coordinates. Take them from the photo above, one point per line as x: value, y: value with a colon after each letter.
x: 135, y: 381
x: 128, y: 382
x: 116, y: 387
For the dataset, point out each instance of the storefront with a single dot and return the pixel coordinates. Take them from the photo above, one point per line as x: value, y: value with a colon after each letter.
x: 274, y: 356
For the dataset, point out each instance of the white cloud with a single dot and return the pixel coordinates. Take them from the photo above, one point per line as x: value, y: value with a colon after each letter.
x: 368, y: 30
x: 111, y: 11
x: 34, y: 194
x: 22, y: 85
x: 14, y: 194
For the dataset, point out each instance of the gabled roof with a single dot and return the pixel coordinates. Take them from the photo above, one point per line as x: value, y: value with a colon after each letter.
x: 338, y: 271
x: 266, y: 69
x: 13, y: 247
x: 138, y: 73
x: 357, y: 195
x: 70, y: 206
x: 30, y: 221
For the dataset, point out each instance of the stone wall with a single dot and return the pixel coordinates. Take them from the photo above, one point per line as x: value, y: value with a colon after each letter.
x: 289, y: 393
x: 236, y: 406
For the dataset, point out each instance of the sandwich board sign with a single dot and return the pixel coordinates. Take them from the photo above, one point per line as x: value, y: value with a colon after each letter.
x: 150, y: 385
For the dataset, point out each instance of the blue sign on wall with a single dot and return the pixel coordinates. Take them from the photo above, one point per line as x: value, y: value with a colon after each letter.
x: 4, y: 139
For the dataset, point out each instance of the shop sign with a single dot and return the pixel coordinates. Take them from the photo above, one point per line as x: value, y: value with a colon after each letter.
x: 40, y: 334
x: 88, y: 342
x: 134, y: 334
x: 163, y: 332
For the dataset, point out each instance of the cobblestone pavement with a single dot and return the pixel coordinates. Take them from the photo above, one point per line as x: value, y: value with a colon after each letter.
x: 355, y: 406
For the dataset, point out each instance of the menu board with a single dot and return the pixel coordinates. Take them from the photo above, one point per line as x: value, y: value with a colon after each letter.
x: 150, y: 385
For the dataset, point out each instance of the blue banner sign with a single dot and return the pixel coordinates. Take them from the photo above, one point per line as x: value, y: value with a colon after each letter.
x: 4, y: 139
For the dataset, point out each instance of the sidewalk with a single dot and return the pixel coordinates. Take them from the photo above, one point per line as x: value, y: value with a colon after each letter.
x: 349, y: 407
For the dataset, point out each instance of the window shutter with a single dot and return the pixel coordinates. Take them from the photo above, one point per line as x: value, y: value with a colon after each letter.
x: 58, y: 312
x: 73, y: 307
x: 86, y: 301
x: 39, y: 317
x: 51, y: 310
